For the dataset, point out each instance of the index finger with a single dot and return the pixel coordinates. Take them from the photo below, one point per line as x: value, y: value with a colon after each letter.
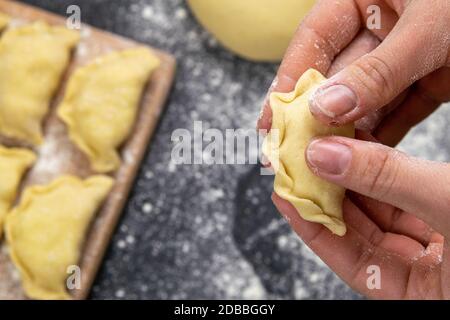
x: 363, y: 245
x: 329, y: 28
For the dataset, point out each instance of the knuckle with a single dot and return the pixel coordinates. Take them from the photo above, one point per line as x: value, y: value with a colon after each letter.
x: 359, y: 270
x: 366, y: 256
x: 375, y: 75
x: 324, y: 43
x: 381, y: 173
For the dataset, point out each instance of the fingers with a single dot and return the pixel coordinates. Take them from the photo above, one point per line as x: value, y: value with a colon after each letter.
x: 364, y: 43
x: 372, y: 120
x: 330, y: 27
x: 426, y: 96
x: 389, y: 218
x: 393, y: 220
x: 388, y: 16
x: 362, y: 246
x: 416, y: 186
x: 416, y: 46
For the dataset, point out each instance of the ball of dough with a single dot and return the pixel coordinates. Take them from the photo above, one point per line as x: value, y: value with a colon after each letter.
x: 255, y: 29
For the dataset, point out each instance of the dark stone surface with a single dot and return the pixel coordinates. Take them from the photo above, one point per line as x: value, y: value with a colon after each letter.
x: 199, y: 231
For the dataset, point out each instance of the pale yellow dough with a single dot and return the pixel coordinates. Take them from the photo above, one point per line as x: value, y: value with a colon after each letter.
x: 4, y: 20
x: 13, y: 164
x: 32, y: 61
x: 102, y: 101
x: 46, y: 231
x: 315, y: 199
x: 255, y: 29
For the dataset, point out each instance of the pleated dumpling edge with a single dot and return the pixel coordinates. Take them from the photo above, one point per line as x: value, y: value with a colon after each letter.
x: 33, y: 58
x: 293, y: 127
x: 46, y: 231
x: 102, y: 101
x: 14, y: 162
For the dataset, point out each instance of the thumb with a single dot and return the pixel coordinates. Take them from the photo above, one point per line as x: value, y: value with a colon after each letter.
x: 415, y: 47
x: 416, y: 186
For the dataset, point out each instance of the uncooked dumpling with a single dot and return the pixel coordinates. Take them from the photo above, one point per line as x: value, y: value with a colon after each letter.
x: 32, y: 61
x: 255, y: 29
x: 315, y: 199
x: 102, y: 101
x: 13, y: 164
x: 46, y: 231
x: 4, y: 20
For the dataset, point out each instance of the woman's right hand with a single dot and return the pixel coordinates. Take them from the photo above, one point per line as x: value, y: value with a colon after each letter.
x: 387, y: 81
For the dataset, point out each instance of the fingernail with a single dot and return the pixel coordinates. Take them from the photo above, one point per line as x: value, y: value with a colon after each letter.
x: 333, y: 101
x: 329, y: 157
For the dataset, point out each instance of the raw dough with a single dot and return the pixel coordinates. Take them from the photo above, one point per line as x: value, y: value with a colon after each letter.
x: 32, y: 61
x: 13, y: 164
x: 46, y: 231
x: 4, y: 20
x: 315, y: 199
x: 101, y: 103
x: 255, y: 29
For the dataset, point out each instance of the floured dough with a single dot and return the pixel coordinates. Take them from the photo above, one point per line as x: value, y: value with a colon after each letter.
x: 45, y: 232
x: 255, y: 29
x: 315, y: 199
x: 4, y: 20
x: 32, y: 61
x: 101, y: 104
x: 13, y: 164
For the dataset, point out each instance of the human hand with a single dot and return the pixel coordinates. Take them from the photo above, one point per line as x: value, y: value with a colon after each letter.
x: 391, y: 87
x: 397, y: 202
x: 395, y: 215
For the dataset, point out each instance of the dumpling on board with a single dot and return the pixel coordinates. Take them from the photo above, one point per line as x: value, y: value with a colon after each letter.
x: 4, y: 21
x: 46, y: 231
x: 101, y: 103
x: 32, y: 61
x: 293, y: 127
x: 13, y: 164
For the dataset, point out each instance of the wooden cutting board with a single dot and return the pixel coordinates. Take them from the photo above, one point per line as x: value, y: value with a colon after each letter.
x: 59, y: 156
